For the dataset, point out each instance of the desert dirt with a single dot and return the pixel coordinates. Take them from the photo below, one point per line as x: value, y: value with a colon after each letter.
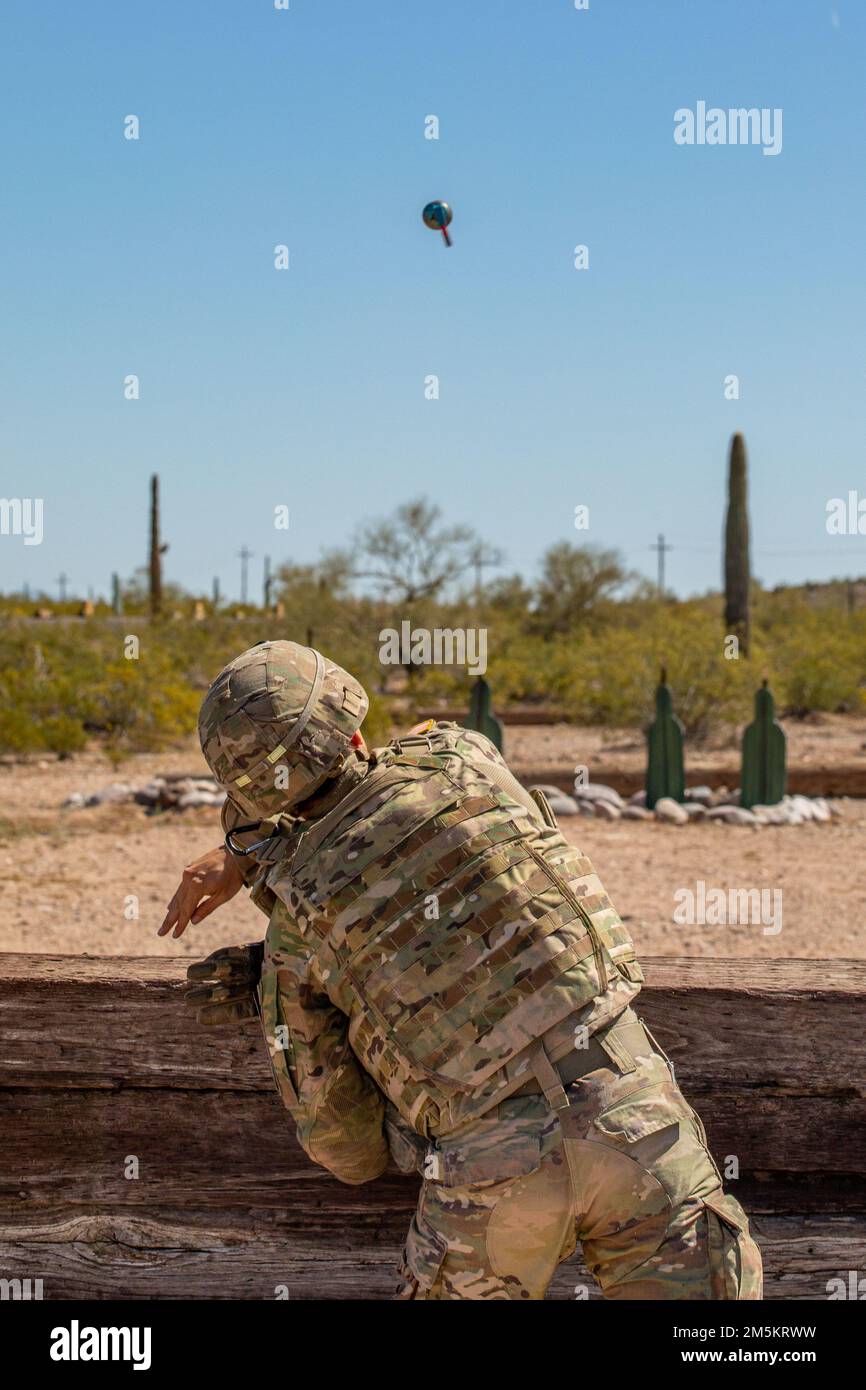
x: 67, y: 876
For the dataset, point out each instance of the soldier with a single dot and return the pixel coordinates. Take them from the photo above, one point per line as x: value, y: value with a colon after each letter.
x: 444, y: 978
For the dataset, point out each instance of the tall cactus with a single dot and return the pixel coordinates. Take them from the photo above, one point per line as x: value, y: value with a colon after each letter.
x: 737, y: 546
x: 156, y: 551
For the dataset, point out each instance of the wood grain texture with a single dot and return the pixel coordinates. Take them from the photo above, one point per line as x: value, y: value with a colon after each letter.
x: 165, y: 1256
x: 100, y: 1062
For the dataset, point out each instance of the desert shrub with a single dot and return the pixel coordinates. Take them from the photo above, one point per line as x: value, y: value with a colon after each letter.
x: 820, y: 665
x: 63, y: 682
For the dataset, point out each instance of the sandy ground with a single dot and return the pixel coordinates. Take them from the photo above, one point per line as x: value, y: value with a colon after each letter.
x: 70, y: 881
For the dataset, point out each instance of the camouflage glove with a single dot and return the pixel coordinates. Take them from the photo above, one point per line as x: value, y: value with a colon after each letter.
x: 229, y: 996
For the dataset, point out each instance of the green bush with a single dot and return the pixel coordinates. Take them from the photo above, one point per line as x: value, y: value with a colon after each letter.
x: 63, y: 682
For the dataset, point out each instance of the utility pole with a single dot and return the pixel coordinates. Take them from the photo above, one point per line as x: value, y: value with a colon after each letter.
x: 61, y: 582
x: 244, y: 555
x: 661, y: 547
x: 480, y: 560
x: 268, y: 582
x: 216, y: 591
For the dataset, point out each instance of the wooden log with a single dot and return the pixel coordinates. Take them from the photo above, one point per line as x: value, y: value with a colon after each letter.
x: 771, y: 1052
x: 168, y: 1256
x: 101, y: 1063
x: 845, y: 779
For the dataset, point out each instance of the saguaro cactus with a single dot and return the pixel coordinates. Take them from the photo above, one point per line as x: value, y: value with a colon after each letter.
x: 762, y: 778
x: 481, y: 716
x: 156, y: 551
x: 116, y: 594
x: 665, y: 773
x: 737, y: 546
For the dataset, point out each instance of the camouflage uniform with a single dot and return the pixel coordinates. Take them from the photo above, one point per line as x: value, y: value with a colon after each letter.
x: 445, y: 978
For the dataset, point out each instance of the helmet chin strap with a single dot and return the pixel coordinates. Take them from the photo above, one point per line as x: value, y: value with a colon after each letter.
x: 332, y: 791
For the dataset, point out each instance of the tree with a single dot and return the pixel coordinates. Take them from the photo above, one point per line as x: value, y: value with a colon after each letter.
x: 411, y: 556
x: 574, y: 580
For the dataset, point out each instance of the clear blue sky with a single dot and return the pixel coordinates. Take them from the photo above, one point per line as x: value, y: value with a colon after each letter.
x: 305, y: 387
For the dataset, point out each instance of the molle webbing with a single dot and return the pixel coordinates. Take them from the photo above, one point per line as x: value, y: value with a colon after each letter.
x: 520, y: 938
x: 431, y: 955
x: 453, y: 840
x: 453, y: 812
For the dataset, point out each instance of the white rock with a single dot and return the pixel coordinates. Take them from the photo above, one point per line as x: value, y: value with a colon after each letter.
x: 695, y: 810
x: 637, y: 813
x: 820, y: 809
x: 739, y: 815
x: 667, y: 809
x: 727, y: 798
x: 638, y: 798
x: 598, y: 791
x: 192, y: 799
x: 606, y: 810
x: 770, y: 815
x: 701, y: 795
x: 75, y: 801
x: 118, y: 791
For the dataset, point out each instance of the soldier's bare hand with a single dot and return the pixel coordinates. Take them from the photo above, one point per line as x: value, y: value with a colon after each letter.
x: 206, y: 884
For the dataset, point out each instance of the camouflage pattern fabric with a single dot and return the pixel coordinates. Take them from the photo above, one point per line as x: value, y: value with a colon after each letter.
x: 451, y: 926
x: 224, y: 987
x: 624, y: 1169
x: 425, y: 932
x: 338, y: 1110
x: 275, y: 724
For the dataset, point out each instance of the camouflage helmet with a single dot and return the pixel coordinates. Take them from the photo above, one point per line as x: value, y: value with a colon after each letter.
x: 278, y: 721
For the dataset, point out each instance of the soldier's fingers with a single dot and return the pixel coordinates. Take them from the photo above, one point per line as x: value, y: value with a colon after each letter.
x: 170, y: 915
x: 223, y: 1015
x: 216, y: 994
x: 189, y: 896
x: 226, y: 963
x: 211, y: 904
